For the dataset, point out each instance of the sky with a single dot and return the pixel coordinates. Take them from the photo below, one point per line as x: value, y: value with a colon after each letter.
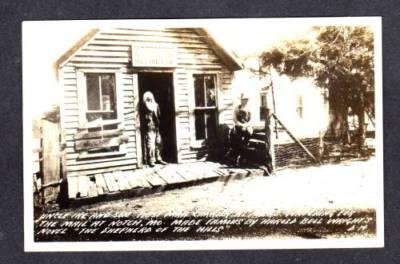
x: 45, y: 41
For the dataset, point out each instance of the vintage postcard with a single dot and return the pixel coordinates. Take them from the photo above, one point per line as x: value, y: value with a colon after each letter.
x: 203, y: 134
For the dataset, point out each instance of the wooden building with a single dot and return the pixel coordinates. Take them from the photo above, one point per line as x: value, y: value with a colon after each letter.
x: 104, y: 76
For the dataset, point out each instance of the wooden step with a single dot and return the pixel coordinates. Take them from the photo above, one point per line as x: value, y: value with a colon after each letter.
x: 258, y: 129
x: 110, y: 182
x: 257, y: 144
x: 101, y: 184
x: 153, y: 178
x: 83, y: 186
x: 118, y: 183
x: 137, y: 179
x: 121, y: 181
x: 72, y: 187
x: 92, y: 190
x: 259, y: 136
x: 254, y: 155
x: 169, y: 174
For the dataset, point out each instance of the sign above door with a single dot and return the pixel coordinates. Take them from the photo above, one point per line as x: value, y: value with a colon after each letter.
x: 153, y: 55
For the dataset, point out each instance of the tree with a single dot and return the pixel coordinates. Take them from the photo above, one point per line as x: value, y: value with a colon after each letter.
x: 339, y: 59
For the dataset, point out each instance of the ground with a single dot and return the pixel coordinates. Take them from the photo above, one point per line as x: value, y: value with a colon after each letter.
x: 327, y: 201
x: 347, y: 185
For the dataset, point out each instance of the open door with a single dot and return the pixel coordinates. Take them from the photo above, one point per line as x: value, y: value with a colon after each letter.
x: 161, y: 85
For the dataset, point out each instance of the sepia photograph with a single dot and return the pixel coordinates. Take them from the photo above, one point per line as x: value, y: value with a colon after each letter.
x: 202, y: 134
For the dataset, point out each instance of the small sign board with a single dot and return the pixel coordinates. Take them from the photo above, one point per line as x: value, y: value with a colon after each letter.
x: 153, y: 55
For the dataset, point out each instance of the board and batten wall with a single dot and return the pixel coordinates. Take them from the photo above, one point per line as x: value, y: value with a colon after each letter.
x: 110, y: 51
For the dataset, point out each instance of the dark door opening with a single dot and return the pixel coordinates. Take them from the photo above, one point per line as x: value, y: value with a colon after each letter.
x: 161, y: 86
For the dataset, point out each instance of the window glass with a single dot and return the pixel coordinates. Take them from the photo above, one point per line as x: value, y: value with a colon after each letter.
x: 299, y: 108
x: 199, y: 91
x: 264, y: 100
x: 101, y: 97
x: 205, y: 106
x: 210, y: 90
x: 211, y: 123
x: 263, y: 107
x: 108, y: 92
x: 93, y: 92
x: 200, y: 125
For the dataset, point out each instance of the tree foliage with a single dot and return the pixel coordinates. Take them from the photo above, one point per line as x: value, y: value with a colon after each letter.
x: 340, y: 59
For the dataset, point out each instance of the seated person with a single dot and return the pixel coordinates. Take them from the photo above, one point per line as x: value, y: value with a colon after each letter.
x: 242, y: 130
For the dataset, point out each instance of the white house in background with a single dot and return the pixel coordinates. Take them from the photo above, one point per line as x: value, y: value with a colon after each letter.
x: 301, y: 106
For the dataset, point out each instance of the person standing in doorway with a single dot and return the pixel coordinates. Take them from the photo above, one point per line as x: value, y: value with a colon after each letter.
x: 152, y: 129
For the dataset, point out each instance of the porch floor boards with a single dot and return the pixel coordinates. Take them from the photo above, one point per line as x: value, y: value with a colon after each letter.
x: 99, y: 185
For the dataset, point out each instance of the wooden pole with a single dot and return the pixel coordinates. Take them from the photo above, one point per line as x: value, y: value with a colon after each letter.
x: 273, y: 100
x: 269, y: 140
x: 296, y: 140
x: 370, y: 117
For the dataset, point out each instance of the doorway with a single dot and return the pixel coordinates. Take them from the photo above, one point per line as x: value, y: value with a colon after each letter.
x: 161, y: 86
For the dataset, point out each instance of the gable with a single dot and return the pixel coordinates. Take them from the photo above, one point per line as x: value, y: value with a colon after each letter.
x: 114, y: 46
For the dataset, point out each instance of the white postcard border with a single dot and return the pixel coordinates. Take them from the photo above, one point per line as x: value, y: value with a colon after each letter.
x: 31, y: 246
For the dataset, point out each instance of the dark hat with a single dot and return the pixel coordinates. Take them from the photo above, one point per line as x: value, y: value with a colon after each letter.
x: 244, y: 96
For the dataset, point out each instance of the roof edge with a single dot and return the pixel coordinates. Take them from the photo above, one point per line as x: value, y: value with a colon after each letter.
x: 227, y: 56
x: 82, y: 42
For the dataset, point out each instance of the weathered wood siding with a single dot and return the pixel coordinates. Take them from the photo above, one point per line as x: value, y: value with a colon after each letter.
x: 110, y: 50
x: 70, y: 125
x: 51, y: 159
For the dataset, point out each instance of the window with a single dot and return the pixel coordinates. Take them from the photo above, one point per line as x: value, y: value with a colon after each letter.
x: 100, y: 132
x: 263, y: 106
x: 101, y: 97
x: 205, y: 110
x: 299, y: 106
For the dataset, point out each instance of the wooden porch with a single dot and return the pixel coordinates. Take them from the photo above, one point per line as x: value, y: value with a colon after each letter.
x: 119, y: 184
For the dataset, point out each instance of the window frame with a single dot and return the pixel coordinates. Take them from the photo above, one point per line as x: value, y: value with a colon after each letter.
x: 100, y: 93
x: 200, y: 143
x: 299, y: 106
x: 83, y: 110
x: 82, y: 98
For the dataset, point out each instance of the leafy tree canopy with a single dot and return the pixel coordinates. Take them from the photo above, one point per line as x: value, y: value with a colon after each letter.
x: 339, y: 58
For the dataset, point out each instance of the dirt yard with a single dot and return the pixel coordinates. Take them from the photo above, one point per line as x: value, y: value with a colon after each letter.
x: 348, y: 185
x: 331, y: 200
